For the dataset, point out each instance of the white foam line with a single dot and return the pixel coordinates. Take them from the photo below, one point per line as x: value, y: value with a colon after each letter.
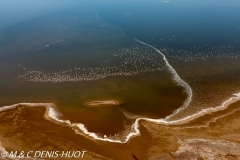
x: 98, y: 18
x: 176, y: 78
x: 52, y: 114
x: 224, y: 105
x: 96, y: 14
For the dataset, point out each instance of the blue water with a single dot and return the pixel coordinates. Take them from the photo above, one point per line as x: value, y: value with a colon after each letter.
x: 177, y: 24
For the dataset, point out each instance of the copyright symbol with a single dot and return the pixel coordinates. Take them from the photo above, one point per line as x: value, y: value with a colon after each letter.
x: 4, y: 154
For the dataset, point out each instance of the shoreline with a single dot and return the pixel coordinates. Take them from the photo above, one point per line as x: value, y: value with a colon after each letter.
x: 51, y: 114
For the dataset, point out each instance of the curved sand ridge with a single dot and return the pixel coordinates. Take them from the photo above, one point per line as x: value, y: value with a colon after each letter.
x: 52, y: 114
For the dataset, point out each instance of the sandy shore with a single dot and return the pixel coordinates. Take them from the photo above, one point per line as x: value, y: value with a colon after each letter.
x: 210, y: 136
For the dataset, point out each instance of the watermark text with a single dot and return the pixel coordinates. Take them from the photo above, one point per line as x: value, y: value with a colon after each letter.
x: 42, y: 154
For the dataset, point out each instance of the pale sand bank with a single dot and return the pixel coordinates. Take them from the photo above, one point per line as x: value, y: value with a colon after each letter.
x: 102, y: 103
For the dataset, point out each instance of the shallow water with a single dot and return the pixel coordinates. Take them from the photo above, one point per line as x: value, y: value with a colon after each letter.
x: 70, y: 60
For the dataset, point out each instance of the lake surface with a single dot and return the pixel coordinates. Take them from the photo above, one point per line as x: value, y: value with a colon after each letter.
x: 102, y: 67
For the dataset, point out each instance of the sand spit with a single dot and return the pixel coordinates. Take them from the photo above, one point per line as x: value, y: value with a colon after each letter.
x: 207, y: 149
x: 101, y: 103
